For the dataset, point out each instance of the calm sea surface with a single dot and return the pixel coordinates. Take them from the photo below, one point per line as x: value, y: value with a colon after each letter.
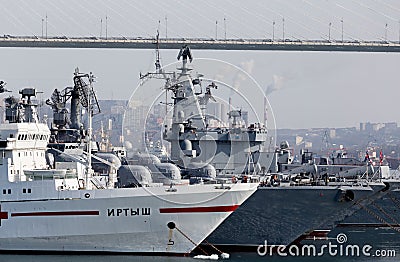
x: 384, y: 239
x: 234, y: 258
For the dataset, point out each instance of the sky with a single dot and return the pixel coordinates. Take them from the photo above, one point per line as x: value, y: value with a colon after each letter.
x: 305, y: 89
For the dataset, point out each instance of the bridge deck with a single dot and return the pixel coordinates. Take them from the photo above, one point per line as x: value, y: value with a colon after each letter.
x: 229, y: 44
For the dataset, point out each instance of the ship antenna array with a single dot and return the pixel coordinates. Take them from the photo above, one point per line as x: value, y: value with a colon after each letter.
x: 90, y: 115
x: 158, y: 63
x: 169, y: 77
x: 159, y: 73
x: 2, y: 85
x: 89, y: 101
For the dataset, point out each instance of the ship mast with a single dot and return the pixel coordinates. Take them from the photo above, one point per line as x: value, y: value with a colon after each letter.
x: 158, y: 63
x: 87, y: 98
x: 159, y: 73
x: 90, y: 115
x: 159, y: 69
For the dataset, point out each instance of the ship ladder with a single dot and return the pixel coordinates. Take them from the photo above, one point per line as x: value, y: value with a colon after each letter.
x: 96, y: 183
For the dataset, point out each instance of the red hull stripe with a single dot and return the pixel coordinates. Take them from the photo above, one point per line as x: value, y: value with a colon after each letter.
x: 3, y: 215
x: 199, y: 209
x: 60, y: 213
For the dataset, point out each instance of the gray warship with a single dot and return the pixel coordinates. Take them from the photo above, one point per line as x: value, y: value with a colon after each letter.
x: 373, y: 221
x: 285, y: 206
x: 69, y: 139
x: 70, y: 135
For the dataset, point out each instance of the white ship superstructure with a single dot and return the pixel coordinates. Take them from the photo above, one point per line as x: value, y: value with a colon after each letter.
x: 23, y: 139
x: 65, y: 209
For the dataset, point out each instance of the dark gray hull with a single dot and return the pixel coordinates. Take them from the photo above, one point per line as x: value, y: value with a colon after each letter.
x: 281, y: 215
x: 375, y: 224
x: 376, y: 221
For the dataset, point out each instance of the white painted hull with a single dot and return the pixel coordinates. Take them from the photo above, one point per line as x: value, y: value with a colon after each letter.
x: 117, y: 220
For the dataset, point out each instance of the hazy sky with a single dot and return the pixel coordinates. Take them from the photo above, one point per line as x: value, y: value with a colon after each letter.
x: 306, y: 89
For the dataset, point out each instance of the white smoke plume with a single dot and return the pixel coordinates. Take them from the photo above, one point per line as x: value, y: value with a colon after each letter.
x: 277, y: 84
x: 240, y: 76
x: 236, y: 76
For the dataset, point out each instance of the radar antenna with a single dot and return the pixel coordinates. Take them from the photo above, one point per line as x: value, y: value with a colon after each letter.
x: 207, y: 95
x: 81, y: 94
x: 2, y: 85
x: 86, y: 91
x: 185, y: 53
x: 158, y: 63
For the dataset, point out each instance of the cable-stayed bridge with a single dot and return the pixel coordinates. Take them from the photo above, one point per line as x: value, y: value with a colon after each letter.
x: 210, y: 44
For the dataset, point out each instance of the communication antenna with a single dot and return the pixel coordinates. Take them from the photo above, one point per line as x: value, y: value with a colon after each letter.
x: 158, y: 63
x: 2, y: 85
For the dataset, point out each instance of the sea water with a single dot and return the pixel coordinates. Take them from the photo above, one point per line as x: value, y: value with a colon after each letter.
x: 378, y: 238
x: 234, y: 257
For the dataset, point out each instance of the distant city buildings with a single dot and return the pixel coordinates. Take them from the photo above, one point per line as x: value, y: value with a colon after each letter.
x: 369, y: 127
x: 132, y: 123
x: 372, y: 137
x: 332, y: 133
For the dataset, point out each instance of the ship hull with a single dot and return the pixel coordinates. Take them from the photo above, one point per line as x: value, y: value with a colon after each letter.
x: 281, y: 215
x: 382, y: 215
x: 134, y: 220
x: 364, y: 229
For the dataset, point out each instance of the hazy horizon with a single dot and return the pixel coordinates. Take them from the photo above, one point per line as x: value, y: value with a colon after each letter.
x: 305, y: 89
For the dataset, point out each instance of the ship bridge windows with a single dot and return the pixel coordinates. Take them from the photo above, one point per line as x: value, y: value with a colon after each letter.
x: 26, y: 190
x: 6, y: 191
x: 21, y: 136
x: 31, y: 137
